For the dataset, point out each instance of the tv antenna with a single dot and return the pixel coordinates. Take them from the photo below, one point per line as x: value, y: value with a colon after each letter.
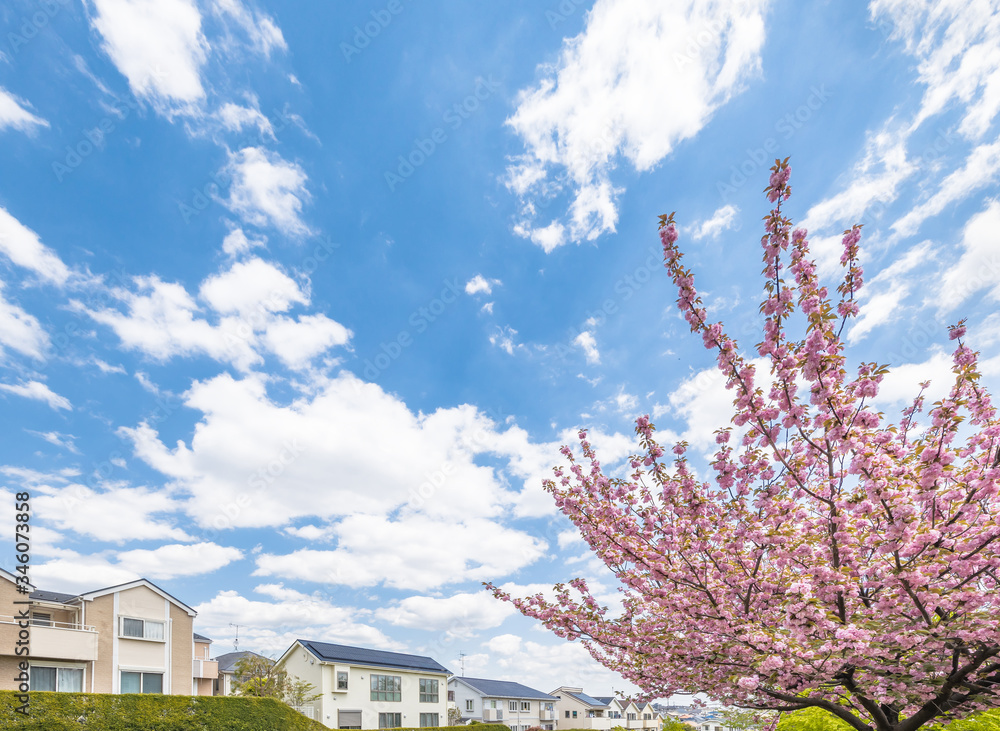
x: 461, y: 657
x: 236, y: 642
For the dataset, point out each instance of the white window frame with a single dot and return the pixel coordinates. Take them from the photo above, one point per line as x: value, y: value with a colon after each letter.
x: 512, y: 706
x: 141, y: 673
x: 525, y: 706
x: 470, y: 704
x: 145, y: 622
x: 61, y: 666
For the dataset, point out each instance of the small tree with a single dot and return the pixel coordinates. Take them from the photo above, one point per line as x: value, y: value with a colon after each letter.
x: 259, y: 676
x: 299, y: 692
x: 454, y: 715
x: 836, y: 560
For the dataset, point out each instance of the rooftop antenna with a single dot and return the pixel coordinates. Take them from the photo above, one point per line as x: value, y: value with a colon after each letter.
x: 461, y: 656
x: 236, y: 642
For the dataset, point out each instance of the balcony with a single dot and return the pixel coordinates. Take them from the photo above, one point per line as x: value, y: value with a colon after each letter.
x: 55, y: 641
x: 545, y: 715
x: 492, y: 714
x: 206, y: 668
x: 599, y: 723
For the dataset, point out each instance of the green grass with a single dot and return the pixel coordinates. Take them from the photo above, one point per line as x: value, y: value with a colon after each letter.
x: 100, y: 712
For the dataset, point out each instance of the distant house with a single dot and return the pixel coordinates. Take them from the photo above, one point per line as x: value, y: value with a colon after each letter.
x: 502, y: 701
x: 650, y: 717
x: 206, y: 670
x: 226, y: 671
x: 615, y: 709
x: 365, y: 688
x: 129, y: 638
x: 576, y: 709
x: 632, y: 718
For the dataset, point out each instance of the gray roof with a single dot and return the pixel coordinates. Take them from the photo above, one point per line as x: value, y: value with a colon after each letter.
x: 505, y: 689
x: 52, y: 596
x: 200, y: 638
x: 379, y: 658
x: 586, y: 699
x: 605, y: 699
x: 228, y: 661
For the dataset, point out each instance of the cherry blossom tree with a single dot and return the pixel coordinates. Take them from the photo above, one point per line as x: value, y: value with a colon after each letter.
x: 835, y: 559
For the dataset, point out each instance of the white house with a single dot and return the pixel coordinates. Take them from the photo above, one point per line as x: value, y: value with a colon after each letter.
x: 502, y: 701
x: 615, y: 711
x: 363, y: 688
x: 576, y: 709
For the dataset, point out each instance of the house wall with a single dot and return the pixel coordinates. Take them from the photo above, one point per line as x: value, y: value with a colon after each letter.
x: 100, y: 613
x: 181, y: 651
x: 357, y: 697
x: 464, y: 693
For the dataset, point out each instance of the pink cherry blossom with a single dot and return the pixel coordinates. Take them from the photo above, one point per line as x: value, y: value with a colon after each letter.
x: 835, y: 558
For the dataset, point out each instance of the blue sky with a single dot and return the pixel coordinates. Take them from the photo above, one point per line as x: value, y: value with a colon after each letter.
x: 300, y: 300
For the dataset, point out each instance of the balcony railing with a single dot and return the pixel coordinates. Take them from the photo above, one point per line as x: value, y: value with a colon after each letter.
x: 55, y: 640
x: 206, y: 668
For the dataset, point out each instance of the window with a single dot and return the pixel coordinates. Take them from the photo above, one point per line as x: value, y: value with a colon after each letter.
x: 493, y: 704
x: 389, y: 720
x: 525, y: 705
x: 341, y: 680
x: 141, y: 682
x: 567, y: 714
x: 574, y: 714
x: 451, y: 695
x: 647, y: 716
x: 511, y: 705
x: 143, y: 629
x: 387, y: 688
x: 470, y: 704
x: 428, y: 691
x: 61, y: 680
x: 429, y: 720
x: 41, y: 620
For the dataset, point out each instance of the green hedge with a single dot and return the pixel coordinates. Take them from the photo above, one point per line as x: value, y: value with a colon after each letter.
x: 99, y: 712
x: 476, y: 726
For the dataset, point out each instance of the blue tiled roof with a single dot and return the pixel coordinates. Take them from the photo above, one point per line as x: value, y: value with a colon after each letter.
x: 584, y: 698
x: 379, y: 658
x: 605, y: 699
x: 506, y: 689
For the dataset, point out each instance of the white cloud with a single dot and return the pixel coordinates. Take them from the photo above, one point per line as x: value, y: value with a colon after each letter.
x: 980, y: 171
x: 39, y: 392
x: 21, y: 331
x: 158, y: 46
x: 596, y: 103
x: 267, y: 190
x: 163, y: 320
x: 235, y: 118
x: 73, y: 573
x: 504, y: 338
x: 480, y: 284
x: 883, y: 296
x: 297, y: 342
x: 415, y: 553
x: 721, y: 220
x: 22, y: 246
x: 270, y: 627
x: 460, y: 615
x: 237, y: 242
x: 57, y: 439
x: 14, y: 115
x: 261, y: 30
x: 588, y: 342
x: 249, y: 286
x: 979, y: 266
x: 171, y: 561
x: 955, y: 45
x: 83, y: 511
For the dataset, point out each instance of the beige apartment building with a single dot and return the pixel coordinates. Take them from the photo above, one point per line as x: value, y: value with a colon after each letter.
x: 131, y: 638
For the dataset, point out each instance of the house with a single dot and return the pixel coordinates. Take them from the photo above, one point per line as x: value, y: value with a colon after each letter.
x: 223, y: 683
x: 576, y: 709
x: 206, y: 670
x: 615, y: 709
x: 130, y: 638
x: 364, y: 688
x: 630, y: 710
x: 502, y: 701
x: 649, y: 717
